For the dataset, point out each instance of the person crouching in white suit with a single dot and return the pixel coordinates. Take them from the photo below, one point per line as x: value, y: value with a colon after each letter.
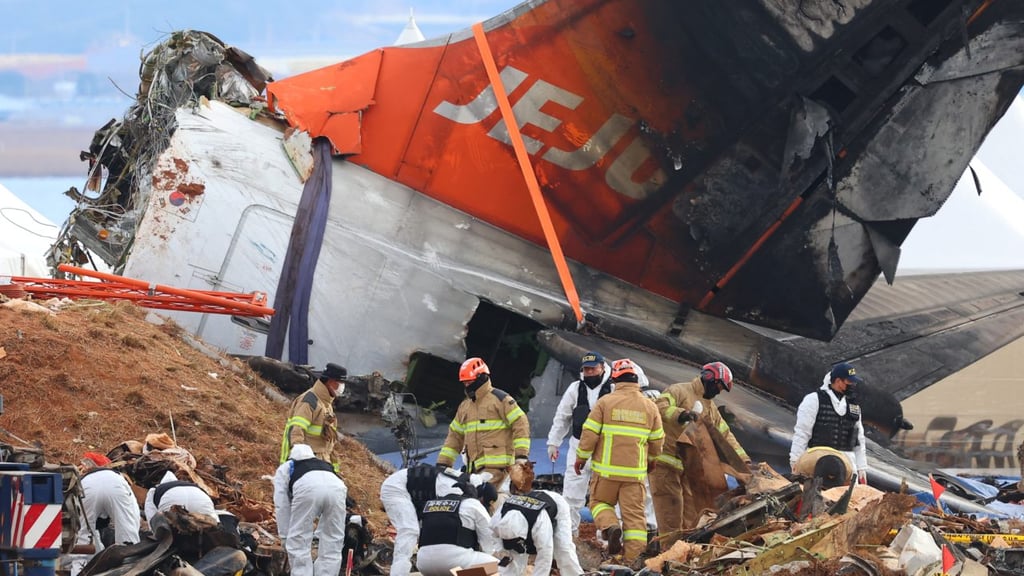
x: 537, y: 522
x: 456, y: 531
x: 307, y: 491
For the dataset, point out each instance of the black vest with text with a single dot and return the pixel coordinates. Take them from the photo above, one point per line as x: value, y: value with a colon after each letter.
x: 529, y: 505
x: 831, y: 429
x: 582, y: 409
x: 442, y: 525
x: 421, y: 484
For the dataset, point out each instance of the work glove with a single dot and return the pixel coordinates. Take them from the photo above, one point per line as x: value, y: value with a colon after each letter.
x: 441, y: 467
x: 693, y: 414
x: 862, y: 476
x: 578, y: 466
x: 552, y: 452
x: 686, y: 416
x: 521, y: 460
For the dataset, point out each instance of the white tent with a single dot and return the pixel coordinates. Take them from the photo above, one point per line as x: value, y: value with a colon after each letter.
x: 411, y: 33
x: 25, y: 237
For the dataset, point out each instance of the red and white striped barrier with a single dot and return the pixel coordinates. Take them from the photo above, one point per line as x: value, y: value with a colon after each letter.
x: 33, y: 525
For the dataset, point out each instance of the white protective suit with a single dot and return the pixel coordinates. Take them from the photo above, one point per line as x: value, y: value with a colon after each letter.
x: 439, y: 559
x: 807, y: 413
x: 317, y: 500
x: 552, y: 543
x: 394, y: 495
x: 191, y: 498
x: 106, y: 494
x: 575, y: 486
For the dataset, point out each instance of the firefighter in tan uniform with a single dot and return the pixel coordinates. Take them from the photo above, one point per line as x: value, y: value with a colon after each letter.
x: 678, y: 406
x: 311, y: 418
x: 623, y: 434
x: 490, y: 426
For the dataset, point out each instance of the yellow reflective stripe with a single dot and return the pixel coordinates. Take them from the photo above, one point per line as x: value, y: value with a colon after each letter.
x: 601, y: 507
x: 486, y: 425
x: 299, y: 422
x: 657, y: 434
x: 670, y: 460
x: 285, y: 445
x: 671, y: 399
x: 457, y: 427
x: 592, y: 425
x: 634, y: 535
x: 584, y: 454
x: 612, y: 470
x: 450, y: 453
x: 630, y: 431
x: 523, y: 443
x: 498, y: 460
x: 315, y: 430
x: 514, y: 415
x: 723, y: 427
x: 672, y: 409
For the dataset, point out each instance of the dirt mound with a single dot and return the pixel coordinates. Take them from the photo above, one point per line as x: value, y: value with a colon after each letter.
x: 96, y: 374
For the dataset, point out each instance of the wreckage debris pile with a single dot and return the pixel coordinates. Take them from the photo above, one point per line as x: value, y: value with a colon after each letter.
x: 93, y: 375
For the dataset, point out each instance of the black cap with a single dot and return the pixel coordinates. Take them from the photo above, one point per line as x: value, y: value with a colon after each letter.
x: 334, y: 372
x: 845, y: 370
x: 592, y: 359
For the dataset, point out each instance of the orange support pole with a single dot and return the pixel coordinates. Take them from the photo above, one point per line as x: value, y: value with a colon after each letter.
x: 528, y: 174
x: 203, y: 297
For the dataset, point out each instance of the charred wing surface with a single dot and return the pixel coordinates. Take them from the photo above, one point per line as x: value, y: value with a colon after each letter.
x: 892, y: 147
x: 902, y: 338
x: 907, y: 336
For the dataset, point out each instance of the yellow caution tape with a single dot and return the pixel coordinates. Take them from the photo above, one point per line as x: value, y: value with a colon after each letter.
x: 961, y: 538
x: 986, y: 538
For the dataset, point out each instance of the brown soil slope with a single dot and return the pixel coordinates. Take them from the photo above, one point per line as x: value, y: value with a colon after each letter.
x: 97, y: 374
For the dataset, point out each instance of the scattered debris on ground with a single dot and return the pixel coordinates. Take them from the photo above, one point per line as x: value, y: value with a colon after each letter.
x: 96, y: 376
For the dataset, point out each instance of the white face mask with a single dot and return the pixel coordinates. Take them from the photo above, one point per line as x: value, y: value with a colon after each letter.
x: 341, y: 389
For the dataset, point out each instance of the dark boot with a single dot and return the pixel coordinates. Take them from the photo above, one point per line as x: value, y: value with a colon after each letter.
x: 613, y: 534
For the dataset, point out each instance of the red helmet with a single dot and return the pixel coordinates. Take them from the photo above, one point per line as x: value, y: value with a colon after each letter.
x: 472, y: 368
x: 622, y: 368
x: 717, y: 371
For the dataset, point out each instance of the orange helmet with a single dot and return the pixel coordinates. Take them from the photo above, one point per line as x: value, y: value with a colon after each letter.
x: 472, y: 368
x: 717, y: 372
x: 623, y: 369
